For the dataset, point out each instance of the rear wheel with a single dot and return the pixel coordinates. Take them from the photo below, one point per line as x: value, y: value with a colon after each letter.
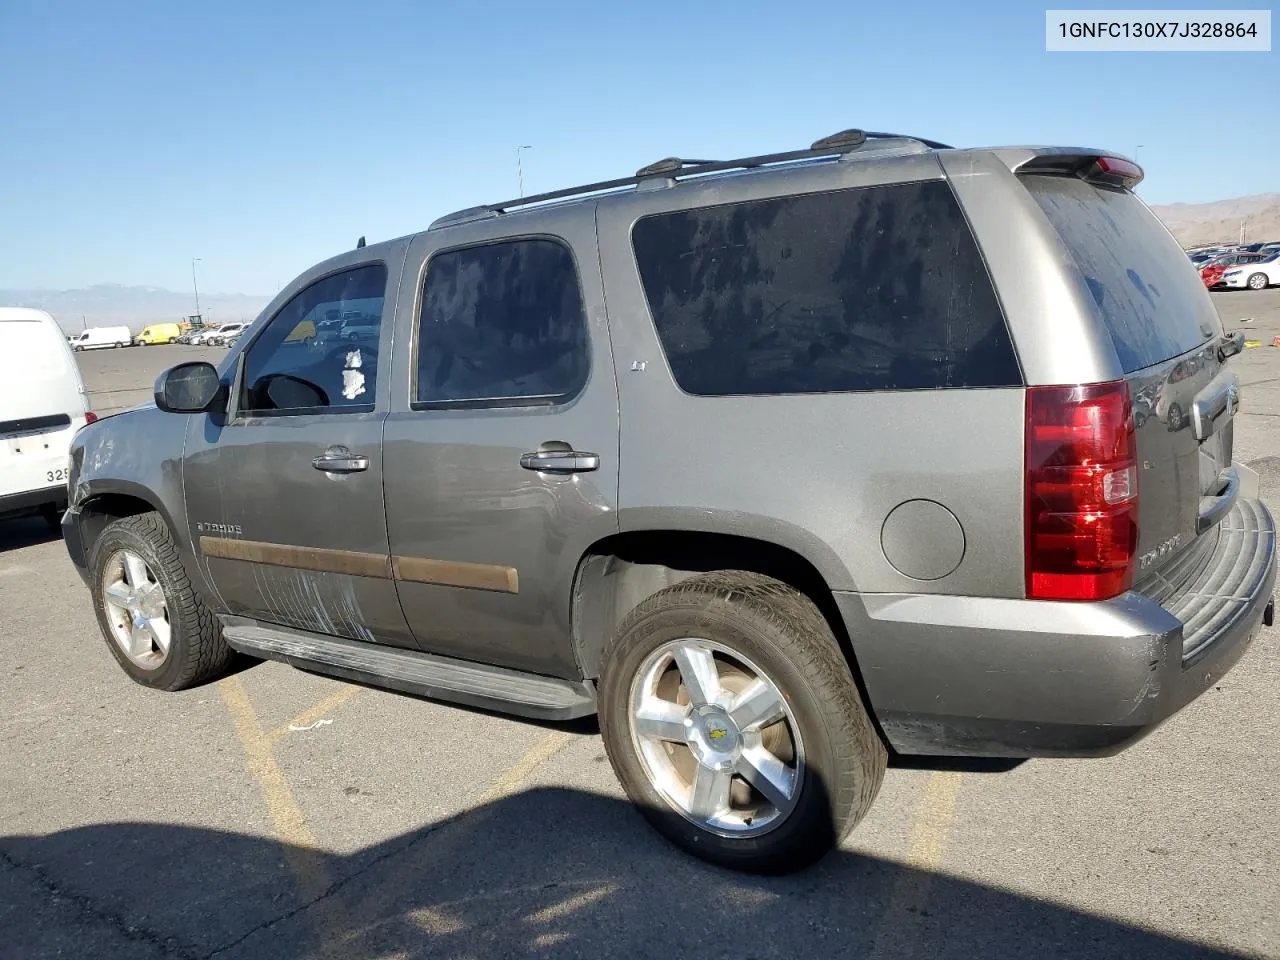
x: 732, y: 720
x: 1257, y: 281
x: 155, y: 624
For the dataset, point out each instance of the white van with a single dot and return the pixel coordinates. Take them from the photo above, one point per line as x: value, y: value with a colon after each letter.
x: 42, y: 404
x: 96, y: 338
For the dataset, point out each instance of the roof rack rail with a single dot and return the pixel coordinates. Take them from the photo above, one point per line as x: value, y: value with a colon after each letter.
x: 846, y: 141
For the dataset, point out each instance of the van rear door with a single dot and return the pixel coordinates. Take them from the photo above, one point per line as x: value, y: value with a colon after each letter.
x: 1168, y: 339
x: 42, y: 403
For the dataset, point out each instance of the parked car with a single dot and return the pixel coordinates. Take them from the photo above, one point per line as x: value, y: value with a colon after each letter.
x: 768, y: 514
x: 42, y: 405
x: 98, y: 338
x: 1255, y: 276
x: 359, y: 327
x: 1212, y: 272
x: 202, y: 335
x: 225, y: 334
x: 157, y: 333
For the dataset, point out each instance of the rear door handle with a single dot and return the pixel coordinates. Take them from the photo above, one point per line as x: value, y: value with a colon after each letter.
x: 340, y: 460
x: 560, y: 461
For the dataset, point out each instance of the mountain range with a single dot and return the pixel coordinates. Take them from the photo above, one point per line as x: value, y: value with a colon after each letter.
x: 107, y: 304
x: 1221, y: 220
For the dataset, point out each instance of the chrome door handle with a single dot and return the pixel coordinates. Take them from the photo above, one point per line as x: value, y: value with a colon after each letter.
x: 340, y: 460
x: 560, y: 461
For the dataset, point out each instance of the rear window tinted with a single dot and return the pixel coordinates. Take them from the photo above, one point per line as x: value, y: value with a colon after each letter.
x: 1151, y: 300
x: 875, y: 288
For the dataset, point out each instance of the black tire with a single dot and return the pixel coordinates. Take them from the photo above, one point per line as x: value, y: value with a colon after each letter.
x: 784, y: 633
x: 1257, y: 281
x: 52, y: 515
x: 197, y: 651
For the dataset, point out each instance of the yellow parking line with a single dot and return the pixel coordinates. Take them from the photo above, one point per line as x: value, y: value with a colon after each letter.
x: 443, y: 845
x: 317, y: 711
x: 291, y: 828
x: 518, y: 772
x: 925, y: 850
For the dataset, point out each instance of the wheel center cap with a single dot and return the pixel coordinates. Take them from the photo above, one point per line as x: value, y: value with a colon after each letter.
x: 714, y: 737
x: 150, y: 603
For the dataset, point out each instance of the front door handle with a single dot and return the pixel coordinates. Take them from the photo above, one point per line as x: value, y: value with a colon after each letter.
x: 560, y: 461
x: 340, y: 460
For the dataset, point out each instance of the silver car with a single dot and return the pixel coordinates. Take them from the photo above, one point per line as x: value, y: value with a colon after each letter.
x: 777, y: 465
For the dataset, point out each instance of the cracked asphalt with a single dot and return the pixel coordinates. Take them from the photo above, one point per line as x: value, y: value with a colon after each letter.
x: 278, y: 814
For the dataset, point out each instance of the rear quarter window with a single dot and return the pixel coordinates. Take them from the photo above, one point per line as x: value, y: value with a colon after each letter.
x: 1151, y: 301
x: 873, y: 288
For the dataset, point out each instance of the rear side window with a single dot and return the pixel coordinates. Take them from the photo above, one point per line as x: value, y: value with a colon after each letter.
x: 1153, y: 306
x: 502, y: 324
x: 875, y: 288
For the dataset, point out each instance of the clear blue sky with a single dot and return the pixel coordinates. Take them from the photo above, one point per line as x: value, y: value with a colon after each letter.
x: 262, y: 137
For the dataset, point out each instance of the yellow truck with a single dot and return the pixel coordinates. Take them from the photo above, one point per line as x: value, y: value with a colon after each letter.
x: 158, y: 333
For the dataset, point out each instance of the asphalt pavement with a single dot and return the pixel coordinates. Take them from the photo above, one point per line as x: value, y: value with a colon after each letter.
x: 277, y: 814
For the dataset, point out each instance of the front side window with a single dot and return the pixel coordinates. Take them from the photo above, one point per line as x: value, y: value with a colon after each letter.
x: 502, y: 324
x: 293, y: 369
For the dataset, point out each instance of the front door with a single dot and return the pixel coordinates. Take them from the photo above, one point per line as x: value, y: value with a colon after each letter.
x: 502, y: 443
x: 284, y: 495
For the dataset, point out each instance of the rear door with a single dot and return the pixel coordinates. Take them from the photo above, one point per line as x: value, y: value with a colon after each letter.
x: 502, y: 442
x: 41, y: 402
x: 1166, y: 334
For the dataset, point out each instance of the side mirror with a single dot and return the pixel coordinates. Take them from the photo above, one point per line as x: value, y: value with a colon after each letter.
x: 190, y: 388
x: 1230, y: 345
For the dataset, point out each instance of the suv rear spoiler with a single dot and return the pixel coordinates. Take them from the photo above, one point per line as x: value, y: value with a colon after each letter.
x: 1097, y: 166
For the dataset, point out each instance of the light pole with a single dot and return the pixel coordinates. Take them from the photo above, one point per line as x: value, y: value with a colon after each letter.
x: 195, y: 286
x: 519, y: 168
x: 1135, y: 151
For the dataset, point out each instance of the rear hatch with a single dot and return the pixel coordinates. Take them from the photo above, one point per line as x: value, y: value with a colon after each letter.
x: 40, y: 403
x: 1169, y: 341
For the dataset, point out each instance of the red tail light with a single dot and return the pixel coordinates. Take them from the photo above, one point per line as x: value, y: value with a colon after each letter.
x: 1082, y: 492
x: 90, y: 417
x: 1123, y: 173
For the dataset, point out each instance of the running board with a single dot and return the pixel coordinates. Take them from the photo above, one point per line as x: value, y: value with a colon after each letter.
x: 440, y: 678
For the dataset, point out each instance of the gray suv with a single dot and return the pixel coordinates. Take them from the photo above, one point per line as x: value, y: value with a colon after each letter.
x: 777, y: 465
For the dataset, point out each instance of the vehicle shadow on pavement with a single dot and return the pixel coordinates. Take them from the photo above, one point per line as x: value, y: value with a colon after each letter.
x: 547, y: 872
x: 19, y: 532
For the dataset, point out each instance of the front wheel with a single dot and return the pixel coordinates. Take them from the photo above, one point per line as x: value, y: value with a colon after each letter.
x: 155, y: 624
x: 732, y: 720
x: 1257, y: 281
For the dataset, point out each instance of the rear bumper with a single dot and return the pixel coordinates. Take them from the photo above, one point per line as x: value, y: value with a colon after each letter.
x: 15, y: 504
x: 1017, y: 678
